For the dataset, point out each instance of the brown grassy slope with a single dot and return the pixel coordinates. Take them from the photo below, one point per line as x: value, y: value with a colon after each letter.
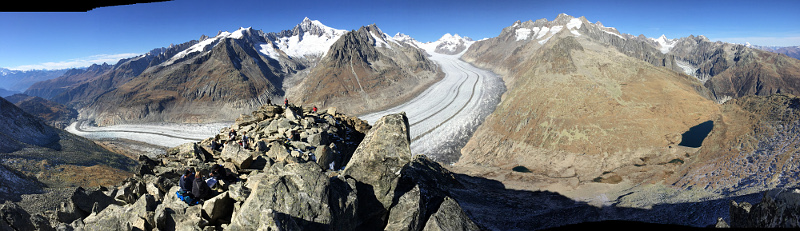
x: 581, y: 109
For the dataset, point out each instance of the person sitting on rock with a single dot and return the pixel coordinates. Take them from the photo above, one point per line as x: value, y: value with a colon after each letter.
x: 231, y: 135
x: 222, y: 174
x: 314, y: 109
x: 200, y: 189
x: 186, y: 180
x: 215, y: 145
x: 245, y: 140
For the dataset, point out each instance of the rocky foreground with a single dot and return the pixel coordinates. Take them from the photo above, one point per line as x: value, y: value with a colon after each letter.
x: 299, y: 174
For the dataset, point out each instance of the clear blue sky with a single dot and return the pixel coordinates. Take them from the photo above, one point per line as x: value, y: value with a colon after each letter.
x: 48, y: 40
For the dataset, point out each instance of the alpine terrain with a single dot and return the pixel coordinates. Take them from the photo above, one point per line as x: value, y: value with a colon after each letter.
x: 550, y: 124
x: 217, y: 78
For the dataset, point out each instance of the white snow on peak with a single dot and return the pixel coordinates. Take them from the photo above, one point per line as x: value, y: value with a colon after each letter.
x: 307, y: 43
x: 403, y: 37
x: 238, y: 34
x: 523, y: 33
x: 573, y: 25
x: 665, y: 44
x: 379, y: 40
x: 269, y: 50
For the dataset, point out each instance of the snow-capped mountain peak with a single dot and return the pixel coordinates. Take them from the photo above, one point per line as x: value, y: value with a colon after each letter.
x: 665, y: 44
x: 309, y: 38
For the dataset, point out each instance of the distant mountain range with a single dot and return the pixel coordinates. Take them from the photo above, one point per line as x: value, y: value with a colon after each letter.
x: 15, y: 81
x: 791, y: 51
x: 217, y: 78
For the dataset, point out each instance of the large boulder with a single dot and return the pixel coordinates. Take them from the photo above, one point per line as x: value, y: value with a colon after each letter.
x: 423, y: 187
x: 343, y: 201
x: 177, y: 215
x: 237, y: 155
x: 408, y: 213
x: 219, y: 209
x: 450, y: 217
x: 136, y: 216
x: 299, y: 190
x: 376, y: 165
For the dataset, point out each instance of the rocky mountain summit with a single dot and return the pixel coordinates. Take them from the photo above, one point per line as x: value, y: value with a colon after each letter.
x: 366, y: 70
x: 303, y: 171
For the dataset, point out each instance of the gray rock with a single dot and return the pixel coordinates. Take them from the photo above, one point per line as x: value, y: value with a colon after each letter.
x: 408, y: 213
x: 277, y: 151
x: 343, y: 203
x: 14, y: 216
x: 238, y: 192
x: 218, y: 208
x: 779, y: 208
x: 237, y: 155
x: 450, y: 217
x: 272, y: 220
x: 376, y: 165
x: 137, y: 215
x: 298, y: 190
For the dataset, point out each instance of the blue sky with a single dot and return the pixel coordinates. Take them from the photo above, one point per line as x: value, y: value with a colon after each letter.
x: 36, y: 40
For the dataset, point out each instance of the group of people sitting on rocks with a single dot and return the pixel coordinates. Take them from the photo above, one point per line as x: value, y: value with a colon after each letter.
x: 194, y: 188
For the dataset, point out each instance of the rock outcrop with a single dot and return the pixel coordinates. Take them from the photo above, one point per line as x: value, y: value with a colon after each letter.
x: 779, y: 208
x: 279, y: 184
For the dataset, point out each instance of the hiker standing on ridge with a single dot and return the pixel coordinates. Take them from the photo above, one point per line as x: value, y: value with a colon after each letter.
x: 315, y: 108
x: 286, y: 102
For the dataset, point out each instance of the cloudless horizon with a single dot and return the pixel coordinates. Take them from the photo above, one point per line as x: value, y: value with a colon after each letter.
x: 57, y: 40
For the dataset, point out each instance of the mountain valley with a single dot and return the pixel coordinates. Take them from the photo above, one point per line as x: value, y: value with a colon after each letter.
x: 561, y: 122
